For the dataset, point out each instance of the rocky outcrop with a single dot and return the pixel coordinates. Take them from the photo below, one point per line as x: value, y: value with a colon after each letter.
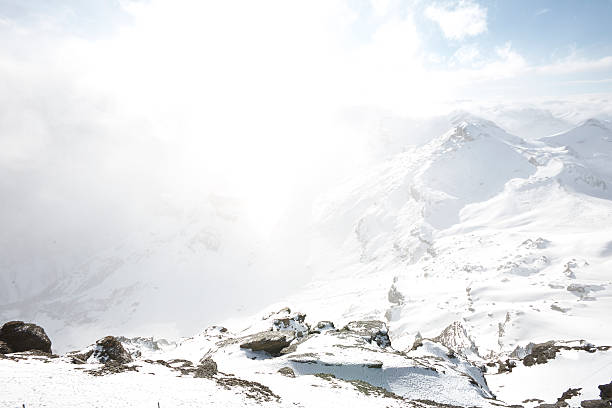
x: 295, y: 324
x: 110, y: 349
x: 456, y: 338
x: 374, y: 331
x: 206, y: 369
x: 505, y: 367
x: 19, y: 336
x: 541, y: 353
x: 270, y: 342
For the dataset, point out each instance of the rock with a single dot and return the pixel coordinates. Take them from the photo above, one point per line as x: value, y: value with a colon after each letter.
x: 20, y: 336
x: 206, y: 369
x: 595, y: 404
x: 505, y: 367
x: 110, y: 349
x: 569, y: 394
x: 541, y: 353
x: 271, y: 342
x: 372, y: 330
x: 4, y: 348
x: 322, y: 326
x: 287, y: 372
x: 418, y: 341
x: 395, y: 296
x: 605, y: 391
x: 455, y: 337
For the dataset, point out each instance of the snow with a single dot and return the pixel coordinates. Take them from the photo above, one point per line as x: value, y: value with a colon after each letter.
x: 474, y: 244
x: 546, y: 382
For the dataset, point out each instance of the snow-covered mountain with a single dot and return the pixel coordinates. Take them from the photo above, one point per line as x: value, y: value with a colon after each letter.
x: 467, y: 255
x: 477, y: 226
x: 170, y: 279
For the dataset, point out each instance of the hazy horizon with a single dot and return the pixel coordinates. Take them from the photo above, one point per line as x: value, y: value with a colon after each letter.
x: 126, y: 122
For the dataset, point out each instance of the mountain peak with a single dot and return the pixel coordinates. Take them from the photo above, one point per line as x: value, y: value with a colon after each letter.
x: 464, y: 118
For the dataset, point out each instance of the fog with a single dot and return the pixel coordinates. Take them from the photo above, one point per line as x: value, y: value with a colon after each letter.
x: 167, y: 122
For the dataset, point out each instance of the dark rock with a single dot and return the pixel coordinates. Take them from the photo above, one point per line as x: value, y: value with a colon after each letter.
x: 206, y: 369
x: 111, y: 367
x: 80, y: 358
x: 372, y: 330
x: 561, y: 401
x: 4, y: 348
x: 287, y: 372
x: 599, y: 403
x: 541, y: 353
x: 110, y: 349
x: 271, y: 342
x: 505, y: 367
x: 605, y: 391
x: 569, y: 394
x: 20, y: 336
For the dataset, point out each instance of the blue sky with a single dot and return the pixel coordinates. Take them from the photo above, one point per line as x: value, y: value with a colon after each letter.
x: 541, y: 29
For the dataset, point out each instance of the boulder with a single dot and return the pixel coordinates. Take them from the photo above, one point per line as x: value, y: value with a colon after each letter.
x: 605, y: 391
x: 4, y: 348
x: 271, y: 342
x: 206, y: 369
x: 110, y: 349
x: 20, y: 336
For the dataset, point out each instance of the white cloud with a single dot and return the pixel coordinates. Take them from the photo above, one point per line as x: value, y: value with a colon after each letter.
x: 542, y: 11
x: 573, y: 64
x: 459, y: 19
x: 467, y: 54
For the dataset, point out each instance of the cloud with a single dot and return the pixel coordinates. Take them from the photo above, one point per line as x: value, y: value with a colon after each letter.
x: 542, y: 11
x: 460, y: 19
x: 467, y: 54
x: 573, y: 64
x: 192, y: 98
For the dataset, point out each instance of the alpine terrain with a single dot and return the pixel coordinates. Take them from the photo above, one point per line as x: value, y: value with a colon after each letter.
x: 472, y: 270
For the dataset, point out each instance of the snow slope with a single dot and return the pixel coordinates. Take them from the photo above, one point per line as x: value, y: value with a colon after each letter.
x: 469, y: 248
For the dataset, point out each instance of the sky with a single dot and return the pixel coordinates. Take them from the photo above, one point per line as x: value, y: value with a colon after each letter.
x: 112, y: 111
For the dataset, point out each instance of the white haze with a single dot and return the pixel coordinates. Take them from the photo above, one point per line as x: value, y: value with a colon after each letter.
x: 195, y: 102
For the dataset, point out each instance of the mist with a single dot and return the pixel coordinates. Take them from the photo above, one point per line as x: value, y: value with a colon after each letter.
x: 180, y: 146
